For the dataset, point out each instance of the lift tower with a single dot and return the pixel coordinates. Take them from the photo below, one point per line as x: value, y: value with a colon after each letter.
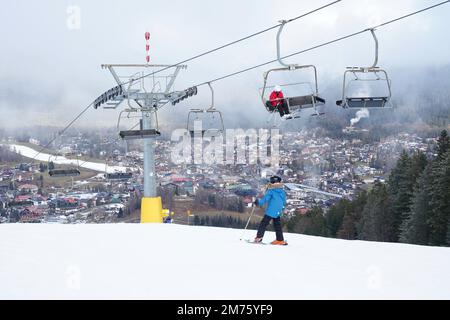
x: 144, y: 93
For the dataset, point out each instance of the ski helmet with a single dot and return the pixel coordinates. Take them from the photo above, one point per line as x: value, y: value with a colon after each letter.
x: 275, y: 179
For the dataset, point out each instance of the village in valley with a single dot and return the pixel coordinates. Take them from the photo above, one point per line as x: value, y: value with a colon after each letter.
x: 317, y: 171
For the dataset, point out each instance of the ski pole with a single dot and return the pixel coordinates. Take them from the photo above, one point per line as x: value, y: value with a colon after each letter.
x: 248, y: 221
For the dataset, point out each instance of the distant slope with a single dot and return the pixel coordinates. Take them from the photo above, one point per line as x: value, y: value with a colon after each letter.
x: 135, y: 261
x: 31, y: 153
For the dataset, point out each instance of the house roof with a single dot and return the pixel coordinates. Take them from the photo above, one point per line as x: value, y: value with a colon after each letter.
x: 34, y: 209
x: 23, y: 198
x: 28, y: 186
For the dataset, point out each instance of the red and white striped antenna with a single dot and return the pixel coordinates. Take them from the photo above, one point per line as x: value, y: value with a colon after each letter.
x: 147, y: 46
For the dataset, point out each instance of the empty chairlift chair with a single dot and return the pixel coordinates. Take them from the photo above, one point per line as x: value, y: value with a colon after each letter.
x: 119, y: 176
x: 64, y: 173
x: 211, y: 119
x: 141, y: 133
x: 68, y: 172
x: 116, y: 175
x: 357, y: 92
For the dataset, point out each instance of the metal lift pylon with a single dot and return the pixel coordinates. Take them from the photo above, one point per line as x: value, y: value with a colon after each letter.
x: 145, y: 101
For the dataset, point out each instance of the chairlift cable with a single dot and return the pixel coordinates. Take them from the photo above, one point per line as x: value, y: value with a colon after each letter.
x: 259, y: 65
x: 410, y: 14
x: 187, y: 60
x: 55, y: 155
x: 236, y: 41
x: 324, y: 44
x: 60, y: 133
x: 115, y: 140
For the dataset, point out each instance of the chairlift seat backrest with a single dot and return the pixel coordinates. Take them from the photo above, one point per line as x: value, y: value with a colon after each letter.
x: 305, y: 101
x: 139, y: 134
x: 211, y: 117
x: 364, y: 102
x: 119, y: 176
x: 210, y: 131
x: 64, y: 173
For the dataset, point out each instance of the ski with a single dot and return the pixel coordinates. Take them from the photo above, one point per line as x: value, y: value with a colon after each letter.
x: 264, y: 243
x: 253, y: 242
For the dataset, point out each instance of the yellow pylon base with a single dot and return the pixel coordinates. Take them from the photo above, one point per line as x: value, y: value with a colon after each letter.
x: 152, y: 211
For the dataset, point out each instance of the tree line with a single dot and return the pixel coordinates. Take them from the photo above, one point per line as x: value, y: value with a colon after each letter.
x: 8, y: 156
x: 224, y: 222
x: 219, y: 200
x: 413, y: 206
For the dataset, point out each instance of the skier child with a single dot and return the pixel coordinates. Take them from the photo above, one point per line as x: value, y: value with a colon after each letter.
x: 275, y: 198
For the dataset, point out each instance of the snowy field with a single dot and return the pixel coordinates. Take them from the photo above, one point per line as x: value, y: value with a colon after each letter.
x: 30, y: 153
x: 163, y: 261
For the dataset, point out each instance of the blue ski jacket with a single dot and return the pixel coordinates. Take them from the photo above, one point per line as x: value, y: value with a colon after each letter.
x: 275, y: 198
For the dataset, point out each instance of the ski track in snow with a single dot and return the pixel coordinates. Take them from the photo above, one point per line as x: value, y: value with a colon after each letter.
x: 168, y: 261
x: 31, y: 153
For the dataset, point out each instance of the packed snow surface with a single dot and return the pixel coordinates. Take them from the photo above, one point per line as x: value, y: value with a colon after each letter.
x: 168, y: 261
x: 31, y: 153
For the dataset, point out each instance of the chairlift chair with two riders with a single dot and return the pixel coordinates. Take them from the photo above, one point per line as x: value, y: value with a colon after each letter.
x: 301, y: 100
x: 210, y: 117
x: 362, y: 77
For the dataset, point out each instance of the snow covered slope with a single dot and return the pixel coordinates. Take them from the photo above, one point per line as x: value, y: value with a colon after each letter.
x: 162, y: 261
x: 31, y: 153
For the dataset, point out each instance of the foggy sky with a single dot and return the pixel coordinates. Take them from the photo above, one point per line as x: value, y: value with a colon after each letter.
x: 49, y: 72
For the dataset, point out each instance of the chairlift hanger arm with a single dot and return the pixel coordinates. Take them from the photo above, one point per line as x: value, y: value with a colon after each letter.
x: 212, y: 96
x: 375, y: 62
x: 372, y: 31
x: 279, y: 58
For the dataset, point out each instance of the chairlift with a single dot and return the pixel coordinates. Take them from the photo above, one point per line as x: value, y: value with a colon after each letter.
x: 366, y: 75
x: 295, y: 103
x: 122, y: 176
x: 211, y: 117
x: 141, y: 133
x: 70, y: 172
x: 116, y: 176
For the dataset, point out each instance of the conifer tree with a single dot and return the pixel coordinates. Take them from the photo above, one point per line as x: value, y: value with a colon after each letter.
x: 443, y: 145
x: 400, y: 187
x: 440, y: 201
x: 448, y: 233
x: 418, y: 163
x: 415, y: 228
x: 377, y: 221
x: 311, y: 223
x: 335, y: 216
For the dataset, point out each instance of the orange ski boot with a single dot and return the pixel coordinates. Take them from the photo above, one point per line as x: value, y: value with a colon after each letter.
x: 279, y: 243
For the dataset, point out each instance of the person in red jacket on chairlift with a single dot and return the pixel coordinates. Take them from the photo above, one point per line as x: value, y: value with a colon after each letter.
x: 278, y: 102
